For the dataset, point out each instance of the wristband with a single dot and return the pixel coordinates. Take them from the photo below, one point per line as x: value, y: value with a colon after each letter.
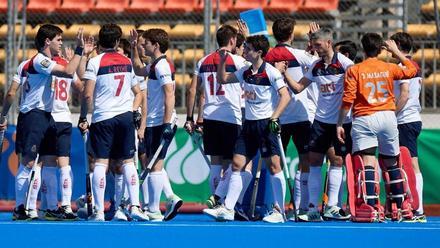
x: 79, y: 50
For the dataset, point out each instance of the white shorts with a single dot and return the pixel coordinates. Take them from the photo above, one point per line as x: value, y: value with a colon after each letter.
x: 376, y: 130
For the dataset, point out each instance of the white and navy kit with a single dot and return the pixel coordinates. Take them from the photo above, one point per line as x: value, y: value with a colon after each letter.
x: 330, y: 81
x: 409, y: 122
x: 295, y: 119
x: 160, y: 73
x: 261, y: 92
x: 112, y: 130
x: 36, y: 102
x: 222, y: 117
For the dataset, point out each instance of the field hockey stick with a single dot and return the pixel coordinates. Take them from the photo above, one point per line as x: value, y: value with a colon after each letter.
x: 324, y: 194
x: 153, y: 160
x: 88, y: 181
x: 31, y: 178
x: 196, y: 141
x: 287, y: 175
x: 2, y: 136
x: 255, y: 189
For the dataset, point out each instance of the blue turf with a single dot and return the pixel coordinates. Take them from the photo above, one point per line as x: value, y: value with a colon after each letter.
x: 191, y: 230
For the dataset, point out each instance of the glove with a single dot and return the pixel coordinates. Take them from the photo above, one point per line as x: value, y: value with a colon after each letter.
x: 83, y: 125
x: 137, y: 119
x: 199, y: 127
x: 168, y: 132
x: 274, y: 125
x: 189, y: 125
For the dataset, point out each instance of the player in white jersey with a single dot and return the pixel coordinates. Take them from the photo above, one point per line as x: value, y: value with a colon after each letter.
x: 295, y: 123
x: 160, y: 115
x: 408, y: 109
x: 266, y: 98
x: 35, y: 107
x: 221, y: 111
x: 328, y: 74
x: 109, y: 82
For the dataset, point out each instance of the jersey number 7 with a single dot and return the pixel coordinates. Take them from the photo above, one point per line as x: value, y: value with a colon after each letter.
x: 121, y: 79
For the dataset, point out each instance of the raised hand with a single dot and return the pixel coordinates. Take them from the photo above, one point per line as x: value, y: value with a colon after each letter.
x: 89, y: 45
x: 313, y: 27
x: 242, y: 28
x: 133, y: 37
x: 281, y: 66
x: 80, y: 37
x: 69, y: 53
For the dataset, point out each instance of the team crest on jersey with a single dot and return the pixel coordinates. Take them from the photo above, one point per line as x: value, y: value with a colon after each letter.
x: 45, y: 63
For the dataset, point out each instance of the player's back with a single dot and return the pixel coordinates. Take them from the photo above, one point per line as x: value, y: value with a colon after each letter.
x: 114, y: 78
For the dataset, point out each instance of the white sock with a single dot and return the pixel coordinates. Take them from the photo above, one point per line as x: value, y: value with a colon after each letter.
x: 21, y: 184
x: 341, y: 189
x: 98, y: 185
x: 214, y: 176
x: 315, y: 186
x: 419, y: 185
x: 167, y: 190
x: 222, y: 187
x: 132, y: 182
x: 66, y: 182
x: 234, y: 190
x: 155, y: 186
x: 334, y: 184
x: 91, y: 182
x: 50, y: 184
x: 35, y: 188
x: 246, y: 179
x: 304, y: 204
x: 145, y: 191
x: 297, y: 193
x: 119, y: 188
x: 279, y: 189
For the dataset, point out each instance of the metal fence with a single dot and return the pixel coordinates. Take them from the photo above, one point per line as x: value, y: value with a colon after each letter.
x: 187, y: 20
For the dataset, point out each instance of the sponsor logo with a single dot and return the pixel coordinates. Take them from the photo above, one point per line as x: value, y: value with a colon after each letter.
x: 45, y: 63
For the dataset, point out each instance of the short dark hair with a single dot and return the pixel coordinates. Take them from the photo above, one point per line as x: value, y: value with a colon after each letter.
x: 240, y: 39
x: 224, y: 34
x: 109, y: 34
x: 47, y: 31
x: 159, y: 36
x: 403, y: 41
x: 347, y: 46
x: 282, y: 28
x: 372, y: 44
x: 259, y: 42
x: 125, y: 45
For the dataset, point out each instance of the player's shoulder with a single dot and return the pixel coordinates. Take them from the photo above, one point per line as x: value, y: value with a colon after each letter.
x: 60, y: 60
x: 344, y: 60
x: 41, y: 60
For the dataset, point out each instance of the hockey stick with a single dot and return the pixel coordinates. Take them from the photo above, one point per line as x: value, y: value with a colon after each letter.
x: 153, y: 160
x: 88, y: 181
x: 196, y: 141
x: 324, y: 194
x: 31, y: 178
x: 255, y: 190
x: 2, y: 136
x: 287, y: 175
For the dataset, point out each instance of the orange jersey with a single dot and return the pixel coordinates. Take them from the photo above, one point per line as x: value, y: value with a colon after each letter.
x: 368, y: 86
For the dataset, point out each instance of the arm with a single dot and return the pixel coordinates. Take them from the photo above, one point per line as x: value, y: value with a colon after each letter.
x: 86, y: 104
x: 403, y: 97
x: 72, y: 66
x: 168, y: 90
x: 409, y: 71
x: 191, y: 98
x: 222, y: 76
x: 282, y: 103
x: 348, y: 97
x: 138, y: 67
x: 9, y: 99
x: 297, y: 87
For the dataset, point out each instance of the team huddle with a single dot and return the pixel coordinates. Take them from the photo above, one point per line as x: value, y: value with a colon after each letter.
x: 252, y: 100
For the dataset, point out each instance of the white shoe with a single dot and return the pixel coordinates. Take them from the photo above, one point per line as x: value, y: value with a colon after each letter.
x: 335, y: 213
x: 274, y: 217
x: 154, y: 216
x: 97, y: 216
x: 173, y: 205
x: 224, y: 214
x: 212, y: 212
x: 32, y: 214
x: 119, y: 215
x: 136, y: 213
x: 311, y: 216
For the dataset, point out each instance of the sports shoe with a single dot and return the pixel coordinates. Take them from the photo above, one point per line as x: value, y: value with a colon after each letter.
x: 212, y: 212
x: 173, y: 205
x: 239, y: 213
x: 136, y: 213
x: 335, y: 213
x: 67, y: 214
x: 119, y: 215
x: 224, y: 214
x: 274, y: 216
x: 19, y: 213
x: 80, y: 201
x: 310, y: 216
x: 212, y: 202
x: 421, y: 218
x: 32, y: 214
x: 97, y: 216
x: 52, y: 215
x: 154, y: 216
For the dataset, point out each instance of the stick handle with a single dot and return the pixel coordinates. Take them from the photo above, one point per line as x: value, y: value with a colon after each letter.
x: 255, y: 188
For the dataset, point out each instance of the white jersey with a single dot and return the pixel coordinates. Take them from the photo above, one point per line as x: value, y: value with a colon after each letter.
x: 61, y: 111
x: 312, y: 100
x: 261, y: 90
x: 223, y: 102
x: 114, y: 78
x: 37, y: 87
x: 298, y: 62
x: 411, y: 111
x: 330, y: 82
x: 160, y: 73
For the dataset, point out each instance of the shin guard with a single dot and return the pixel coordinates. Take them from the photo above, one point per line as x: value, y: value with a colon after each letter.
x: 363, y: 188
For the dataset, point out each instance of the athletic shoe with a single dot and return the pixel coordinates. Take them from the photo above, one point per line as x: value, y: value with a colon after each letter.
x: 53, y: 215
x: 32, y: 214
x: 211, y: 202
x: 239, y: 213
x: 274, y: 217
x: 335, y: 213
x: 173, y: 205
x: 154, y: 216
x: 119, y: 215
x: 80, y: 202
x: 97, y: 216
x: 19, y: 213
x: 311, y: 216
x: 41, y: 214
x: 224, y: 214
x: 67, y: 214
x: 421, y: 218
x: 291, y: 216
x: 212, y: 212
x: 136, y: 213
